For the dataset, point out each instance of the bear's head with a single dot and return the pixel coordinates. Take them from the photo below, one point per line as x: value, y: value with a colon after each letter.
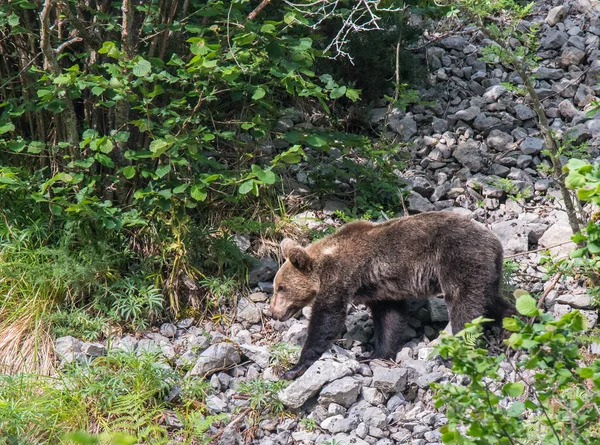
x: 296, y: 284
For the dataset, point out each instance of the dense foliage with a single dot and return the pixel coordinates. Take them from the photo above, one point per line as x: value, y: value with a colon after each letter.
x: 135, y: 140
x: 553, y: 398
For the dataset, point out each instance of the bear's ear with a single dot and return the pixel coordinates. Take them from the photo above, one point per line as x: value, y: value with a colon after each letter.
x: 297, y: 255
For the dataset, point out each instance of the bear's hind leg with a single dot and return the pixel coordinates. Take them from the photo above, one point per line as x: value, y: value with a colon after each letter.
x: 389, y: 325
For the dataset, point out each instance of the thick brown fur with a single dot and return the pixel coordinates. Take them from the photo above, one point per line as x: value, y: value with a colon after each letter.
x: 383, y: 265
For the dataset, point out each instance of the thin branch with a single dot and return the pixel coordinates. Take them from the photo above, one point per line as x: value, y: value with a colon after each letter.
x: 257, y: 10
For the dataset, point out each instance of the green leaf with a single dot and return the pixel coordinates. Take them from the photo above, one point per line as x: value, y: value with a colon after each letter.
x: 259, y: 93
x: 585, y: 194
x: 36, y: 147
x: 13, y: 20
x: 162, y: 170
x: 338, y: 92
x: 265, y: 176
x: 198, y: 192
x: 246, y: 187
x: 316, y: 141
x: 510, y: 324
x: 180, y: 189
x: 97, y: 91
x: 142, y: 68
x: 352, y: 94
x: 586, y: 373
x: 516, y: 409
x: 513, y: 389
x: 129, y: 172
x: 9, y: 126
x: 158, y: 147
x: 578, y: 253
x: 526, y: 305
x: 593, y: 248
x: 104, y: 160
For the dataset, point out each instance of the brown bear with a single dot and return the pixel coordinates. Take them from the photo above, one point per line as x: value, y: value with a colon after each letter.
x: 383, y: 265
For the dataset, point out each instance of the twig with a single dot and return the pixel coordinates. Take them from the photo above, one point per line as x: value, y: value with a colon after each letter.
x: 537, y: 250
x: 548, y: 289
x: 257, y: 10
x: 232, y: 423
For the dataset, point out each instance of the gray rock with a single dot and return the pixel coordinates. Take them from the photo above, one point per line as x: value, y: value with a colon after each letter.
x: 67, y: 348
x: 468, y: 114
x: 470, y: 156
x: 319, y: 374
x: 127, y: 343
x: 493, y: 93
x: 374, y: 416
x: 265, y: 270
x: 390, y: 380
x: 593, y: 126
x: 578, y: 301
x: 438, y: 311
x: 524, y: 113
x: 556, y: 15
x: 532, y: 146
x: 258, y: 297
x: 567, y: 110
x: 296, y: 334
x: 439, y: 125
x: 513, y: 235
x: 343, y: 391
x: 543, y: 73
x: 499, y: 140
x: 554, y: 39
x: 339, y: 424
x: 523, y: 161
x: 557, y: 233
x: 372, y: 395
x: 258, y: 354
x: 454, y: 42
x: 93, y: 349
x: 483, y: 122
x: 216, y: 357
x: 168, y: 330
x: 571, y: 56
x: 215, y: 405
x: 248, y: 312
x: 406, y: 128
x: 418, y: 203
x: 583, y: 96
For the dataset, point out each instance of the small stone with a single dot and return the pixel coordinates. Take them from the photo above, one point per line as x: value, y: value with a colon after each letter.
x: 372, y: 395
x: 258, y: 354
x: 93, y: 349
x: 438, y: 311
x: 248, y: 312
x: 296, y: 334
x: 578, y: 301
x: 467, y: 115
x: 524, y: 113
x: 264, y: 271
x: 571, y: 57
x: 470, y: 156
x: 216, y: 357
x: 483, y: 122
x: 554, y: 39
x: 532, y: 146
x: 374, y: 416
x: 499, y: 140
x: 543, y: 73
x: 418, y: 203
x: 258, y: 297
x: 454, y: 42
x: 67, y: 348
x: 339, y: 424
x: 556, y: 15
x: 343, y: 391
x: 493, y: 93
x: 215, y: 405
x: 168, y: 330
x: 406, y: 128
x: 319, y: 374
x: 567, y: 110
x: 390, y: 379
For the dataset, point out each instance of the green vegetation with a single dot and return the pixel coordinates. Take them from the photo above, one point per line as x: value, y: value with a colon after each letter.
x: 142, y: 138
x: 121, y: 393
x: 556, y: 385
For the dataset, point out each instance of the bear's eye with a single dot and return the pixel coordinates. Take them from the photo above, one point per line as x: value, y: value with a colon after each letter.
x: 281, y: 289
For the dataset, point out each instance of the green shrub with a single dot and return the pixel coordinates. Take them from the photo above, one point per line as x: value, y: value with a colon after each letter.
x: 555, y: 398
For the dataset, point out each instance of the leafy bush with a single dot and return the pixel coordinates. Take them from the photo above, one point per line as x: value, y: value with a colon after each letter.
x: 553, y: 400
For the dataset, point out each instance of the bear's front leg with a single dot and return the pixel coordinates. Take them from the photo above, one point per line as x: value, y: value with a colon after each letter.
x: 326, y: 323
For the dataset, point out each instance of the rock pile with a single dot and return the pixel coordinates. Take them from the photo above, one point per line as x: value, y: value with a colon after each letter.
x: 475, y: 150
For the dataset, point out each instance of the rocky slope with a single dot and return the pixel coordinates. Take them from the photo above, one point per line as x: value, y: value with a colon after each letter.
x: 475, y: 150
